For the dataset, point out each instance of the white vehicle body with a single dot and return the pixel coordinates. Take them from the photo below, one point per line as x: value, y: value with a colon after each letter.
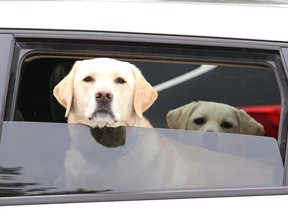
x: 241, y: 21
x: 255, y: 22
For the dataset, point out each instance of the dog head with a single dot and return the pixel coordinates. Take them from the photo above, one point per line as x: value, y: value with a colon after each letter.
x: 104, y: 92
x: 213, y: 117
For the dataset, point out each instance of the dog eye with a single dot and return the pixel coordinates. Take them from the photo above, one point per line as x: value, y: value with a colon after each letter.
x: 226, y: 125
x: 120, y: 80
x: 88, y: 79
x: 199, y: 121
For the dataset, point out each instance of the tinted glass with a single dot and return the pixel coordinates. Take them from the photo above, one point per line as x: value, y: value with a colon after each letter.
x: 49, y: 158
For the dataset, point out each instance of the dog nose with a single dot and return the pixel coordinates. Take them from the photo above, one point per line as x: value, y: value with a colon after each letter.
x: 104, y: 96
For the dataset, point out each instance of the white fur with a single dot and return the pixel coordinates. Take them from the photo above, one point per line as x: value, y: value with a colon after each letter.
x: 130, y: 98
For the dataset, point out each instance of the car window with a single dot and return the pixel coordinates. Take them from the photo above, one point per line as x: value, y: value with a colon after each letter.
x: 254, y: 89
x: 65, y: 159
x: 135, y: 159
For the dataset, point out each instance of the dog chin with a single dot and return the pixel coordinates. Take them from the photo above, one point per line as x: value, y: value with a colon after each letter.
x: 101, y: 115
x: 102, y: 119
x: 101, y: 124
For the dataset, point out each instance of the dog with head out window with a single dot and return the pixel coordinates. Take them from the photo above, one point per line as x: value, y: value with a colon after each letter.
x: 105, y: 92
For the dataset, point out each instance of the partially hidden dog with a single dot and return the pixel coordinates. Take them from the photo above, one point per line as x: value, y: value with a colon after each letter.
x: 213, y: 117
x: 105, y: 92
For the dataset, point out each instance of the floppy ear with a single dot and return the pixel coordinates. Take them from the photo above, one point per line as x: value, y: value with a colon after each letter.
x: 63, y: 91
x: 178, y: 118
x: 144, y: 93
x: 249, y: 125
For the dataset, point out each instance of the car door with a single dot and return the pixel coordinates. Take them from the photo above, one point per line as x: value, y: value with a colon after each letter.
x: 42, y: 155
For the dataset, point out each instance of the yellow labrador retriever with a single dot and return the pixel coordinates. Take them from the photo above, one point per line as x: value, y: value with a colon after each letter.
x: 213, y: 117
x: 105, y: 92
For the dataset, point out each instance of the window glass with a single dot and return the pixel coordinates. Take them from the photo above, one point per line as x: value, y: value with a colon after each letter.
x: 72, y: 158
x: 49, y: 156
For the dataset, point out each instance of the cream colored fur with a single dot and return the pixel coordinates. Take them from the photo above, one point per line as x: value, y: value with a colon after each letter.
x: 213, y: 117
x: 131, y: 95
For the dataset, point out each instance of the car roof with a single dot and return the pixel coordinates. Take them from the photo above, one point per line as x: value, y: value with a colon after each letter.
x: 266, y: 21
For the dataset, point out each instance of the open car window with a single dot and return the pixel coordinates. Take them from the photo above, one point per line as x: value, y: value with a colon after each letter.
x: 254, y: 89
x: 250, y: 88
x: 50, y: 157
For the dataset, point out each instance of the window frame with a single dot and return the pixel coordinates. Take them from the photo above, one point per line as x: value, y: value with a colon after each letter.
x: 6, y: 44
x: 23, y: 40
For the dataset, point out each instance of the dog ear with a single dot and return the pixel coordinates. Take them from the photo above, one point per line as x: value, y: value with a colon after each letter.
x: 249, y: 125
x: 178, y: 118
x: 144, y: 93
x: 63, y: 91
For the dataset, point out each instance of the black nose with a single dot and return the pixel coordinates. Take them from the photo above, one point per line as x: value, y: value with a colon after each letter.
x: 104, y: 96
